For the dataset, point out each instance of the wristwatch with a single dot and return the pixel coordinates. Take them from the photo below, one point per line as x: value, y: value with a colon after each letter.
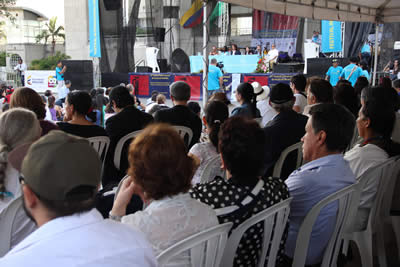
x: 114, y: 217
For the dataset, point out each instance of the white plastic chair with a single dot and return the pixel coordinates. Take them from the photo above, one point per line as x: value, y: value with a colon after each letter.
x: 347, y: 200
x: 100, y: 144
x: 205, y: 248
x: 185, y: 132
x: 120, y: 145
x: 210, y: 169
x: 275, y: 219
x: 279, y: 164
x: 7, y: 218
x: 118, y: 188
x: 363, y: 238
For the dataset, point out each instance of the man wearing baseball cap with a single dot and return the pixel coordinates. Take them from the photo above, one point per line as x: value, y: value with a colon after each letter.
x: 333, y: 73
x: 60, y: 176
x: 284, y: 130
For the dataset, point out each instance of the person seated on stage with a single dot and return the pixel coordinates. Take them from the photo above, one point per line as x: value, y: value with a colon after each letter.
x: 333, y: 73
x: 161, y: 172
x: 215, y: 114
x: 259, y: 50
x: 214, y: 51
x: 284, y: 130
x: 126, y: 120
x: 77, y: 106
x: 298, y: 85
x: 248, y: 51
x: 329, y: 131
x: 180, y: 114
x: 241, y: 147
x: 318, y: 91
x: 352, y: 71
x: 234, y: 50
x: 375, y: 124
x: 273, y: 56
x: 248, y: 104
x: 225, y: 51
x: 28, y: 98
x: 266, y: 111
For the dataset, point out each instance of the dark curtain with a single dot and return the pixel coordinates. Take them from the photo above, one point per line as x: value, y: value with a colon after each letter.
x: 356, y: 33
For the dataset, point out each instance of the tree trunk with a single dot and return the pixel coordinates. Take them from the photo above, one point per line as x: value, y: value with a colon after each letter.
x: 53, y: 47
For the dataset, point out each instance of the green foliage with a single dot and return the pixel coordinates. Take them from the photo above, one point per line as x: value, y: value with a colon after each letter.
x: 4, y: 9
x: 52, y: 32
x: 48, y: 63
x: 3, y: 56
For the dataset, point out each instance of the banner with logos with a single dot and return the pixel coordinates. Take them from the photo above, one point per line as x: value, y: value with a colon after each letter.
x: 94, y: 28
x: 331, y: 36
x: 41, y: 80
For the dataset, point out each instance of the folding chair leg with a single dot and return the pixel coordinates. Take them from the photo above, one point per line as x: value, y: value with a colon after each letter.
x: 364, y: 244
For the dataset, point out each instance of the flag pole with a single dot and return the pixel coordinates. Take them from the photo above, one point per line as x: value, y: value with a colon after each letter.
x: 205, y: 56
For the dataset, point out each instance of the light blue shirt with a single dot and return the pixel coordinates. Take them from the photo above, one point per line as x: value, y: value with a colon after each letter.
x: 59, y: 76
x: 356, y: 73
x: 334, y: 74
x: 308, y: 185
x: 366, y: 48
x: 365, y: 74
x: 213, y: 77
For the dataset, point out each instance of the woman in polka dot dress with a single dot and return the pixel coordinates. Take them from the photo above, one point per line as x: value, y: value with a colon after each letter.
x: 242, y: 144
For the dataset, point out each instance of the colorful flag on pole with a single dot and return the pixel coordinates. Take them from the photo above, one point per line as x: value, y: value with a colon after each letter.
x: 217, y: 12
x: 193, y: 16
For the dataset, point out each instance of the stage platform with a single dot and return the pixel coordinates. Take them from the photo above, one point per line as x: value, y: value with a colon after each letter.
x: 148, y: 82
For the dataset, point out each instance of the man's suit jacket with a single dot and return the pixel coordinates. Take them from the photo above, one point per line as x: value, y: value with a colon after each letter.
x: 130, y: 119
x: 182, y: 116
x: 284, y: 130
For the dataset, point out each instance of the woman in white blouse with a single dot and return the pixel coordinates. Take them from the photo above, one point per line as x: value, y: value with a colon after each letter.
x: 160, y: 173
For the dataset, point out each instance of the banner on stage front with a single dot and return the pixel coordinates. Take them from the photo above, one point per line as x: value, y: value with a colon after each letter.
x: 331, y: 36
x: 41, y: 80
x: 94, y: 28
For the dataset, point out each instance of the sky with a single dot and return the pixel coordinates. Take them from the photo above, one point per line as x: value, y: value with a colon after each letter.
x: 49, y: 8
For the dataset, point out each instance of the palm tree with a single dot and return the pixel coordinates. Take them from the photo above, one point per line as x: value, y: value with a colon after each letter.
x: 52, y: 32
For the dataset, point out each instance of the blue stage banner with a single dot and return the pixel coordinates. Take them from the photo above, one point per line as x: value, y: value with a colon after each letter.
x: 232, y: 64
x: 331, y: 36
x: 160, y: 82
x: 94, y: 28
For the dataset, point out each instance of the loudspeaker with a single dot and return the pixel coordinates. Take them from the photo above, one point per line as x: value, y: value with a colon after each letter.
x: 162, y: 63
x: 112, y: 4
x: 159, y: 34
x: 143, y: 69
x: 319, y: 66
x: 80, y: 73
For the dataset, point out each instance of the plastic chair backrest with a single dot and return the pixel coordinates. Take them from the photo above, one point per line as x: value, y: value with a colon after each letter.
x: 347, y: 200
x: 209, y: 169
x: 120, y: 146
x: 116, y: 191
x: 100, y: 144
x: 279, y: 164
x: 7, y: 217
x: 391, y: 187
x: 206, y: 248
x: 275, y: 219
x: 186, y: 133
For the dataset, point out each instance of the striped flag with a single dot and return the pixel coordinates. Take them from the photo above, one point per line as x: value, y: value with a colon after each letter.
x: 193, y: 16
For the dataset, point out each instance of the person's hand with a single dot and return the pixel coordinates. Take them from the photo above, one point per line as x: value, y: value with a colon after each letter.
x: 196, y: 160
x: 124, y: 196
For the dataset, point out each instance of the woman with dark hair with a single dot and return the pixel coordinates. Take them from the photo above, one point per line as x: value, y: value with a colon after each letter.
x: 375, y: 125
x: 360, y: 84
x: 241, y: 145
x: 235, y: 50
x: 25, y: 97
x: 216, y: 113
x: 345, y: 95
x: 77, y: 106
x: 248, y: 102
x: 160, y: 173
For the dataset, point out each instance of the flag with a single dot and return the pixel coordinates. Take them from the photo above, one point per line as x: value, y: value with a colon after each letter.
x: 217, y: 12
x: 193, y: 16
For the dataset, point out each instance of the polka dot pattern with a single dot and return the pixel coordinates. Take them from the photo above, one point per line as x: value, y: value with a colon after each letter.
x: 221, y: 193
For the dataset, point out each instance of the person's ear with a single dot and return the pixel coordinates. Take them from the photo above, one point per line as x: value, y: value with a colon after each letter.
x: 321, y: 138
x: 367, y: 122
x: 31, y: 200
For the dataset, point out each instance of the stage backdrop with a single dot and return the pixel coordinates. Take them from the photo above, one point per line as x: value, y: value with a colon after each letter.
x: 41, y: 80
x: 146, y: 83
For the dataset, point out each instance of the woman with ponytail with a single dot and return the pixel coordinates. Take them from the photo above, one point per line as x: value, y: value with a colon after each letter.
x: 248, y: 102
x: 216, y: 112
x: 77, y: 107
x: 18, y: 126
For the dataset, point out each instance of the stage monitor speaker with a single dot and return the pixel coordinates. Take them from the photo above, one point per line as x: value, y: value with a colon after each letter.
x: 159, y: 34
x: 319, y: 66
x: 112, y: 4
x: 179, y: 61
x: 80, y: 73
x: 162, y: 63
x: 143, y: 69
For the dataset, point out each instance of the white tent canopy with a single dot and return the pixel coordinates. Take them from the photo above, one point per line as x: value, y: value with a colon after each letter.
x: 382, y: 11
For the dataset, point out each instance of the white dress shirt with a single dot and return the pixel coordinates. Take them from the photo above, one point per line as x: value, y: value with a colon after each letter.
x: 273, y: 54
x: 172, y: 219
x: 267, y: 112
x: 21, y: 67
x: 84, y: 239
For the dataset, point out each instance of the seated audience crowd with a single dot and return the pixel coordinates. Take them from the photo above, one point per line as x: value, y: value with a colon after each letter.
x: 50, y: 179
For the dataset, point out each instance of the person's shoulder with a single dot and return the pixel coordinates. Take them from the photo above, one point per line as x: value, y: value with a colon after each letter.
x: 276, y: 185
